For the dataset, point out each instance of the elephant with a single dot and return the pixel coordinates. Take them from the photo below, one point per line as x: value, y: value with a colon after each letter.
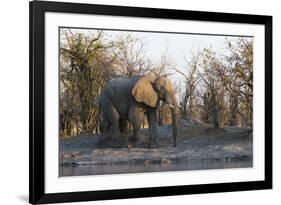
x: 130, y: 99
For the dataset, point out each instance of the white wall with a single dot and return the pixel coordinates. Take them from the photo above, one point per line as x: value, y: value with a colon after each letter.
x: 14, y: 100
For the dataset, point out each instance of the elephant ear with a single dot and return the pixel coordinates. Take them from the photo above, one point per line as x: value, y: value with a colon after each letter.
x: 144, y: 92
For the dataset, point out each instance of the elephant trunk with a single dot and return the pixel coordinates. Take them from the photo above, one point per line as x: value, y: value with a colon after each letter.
x: 174, y: 113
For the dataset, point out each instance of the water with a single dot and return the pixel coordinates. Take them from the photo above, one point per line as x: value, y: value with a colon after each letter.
x: 139, y: 168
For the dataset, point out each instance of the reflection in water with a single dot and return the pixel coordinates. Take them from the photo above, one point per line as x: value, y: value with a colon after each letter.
x: 127, y: 168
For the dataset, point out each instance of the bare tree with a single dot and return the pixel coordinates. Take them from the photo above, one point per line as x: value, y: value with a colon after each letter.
x: 190, y: 82
x: 129, y: 57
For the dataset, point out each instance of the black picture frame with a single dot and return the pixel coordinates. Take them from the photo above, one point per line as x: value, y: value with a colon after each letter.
x: 37, y: 9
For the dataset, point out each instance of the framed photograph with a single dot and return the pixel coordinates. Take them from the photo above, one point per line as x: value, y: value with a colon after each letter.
x: 130, y: 102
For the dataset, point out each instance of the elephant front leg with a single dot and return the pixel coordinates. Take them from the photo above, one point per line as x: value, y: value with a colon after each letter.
x: 123, y: 126
x: 152, y: 122
x: 136, y: 116
x: 132, y: 141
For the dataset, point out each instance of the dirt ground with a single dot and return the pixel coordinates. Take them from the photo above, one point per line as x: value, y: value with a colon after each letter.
x: 196, y: 142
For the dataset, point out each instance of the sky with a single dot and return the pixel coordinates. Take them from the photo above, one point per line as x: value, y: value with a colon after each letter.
x: 178, y: 47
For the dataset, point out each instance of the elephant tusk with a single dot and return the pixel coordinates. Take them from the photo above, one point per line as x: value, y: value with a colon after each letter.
x: 179, y: 106
x: 171, y: 106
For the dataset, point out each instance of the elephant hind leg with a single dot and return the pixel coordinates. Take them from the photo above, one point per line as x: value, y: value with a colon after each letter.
x: 112, y: 118
x: 106, y: 135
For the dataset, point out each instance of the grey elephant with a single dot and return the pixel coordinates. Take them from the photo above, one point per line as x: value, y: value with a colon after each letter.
x: 130, y: 99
